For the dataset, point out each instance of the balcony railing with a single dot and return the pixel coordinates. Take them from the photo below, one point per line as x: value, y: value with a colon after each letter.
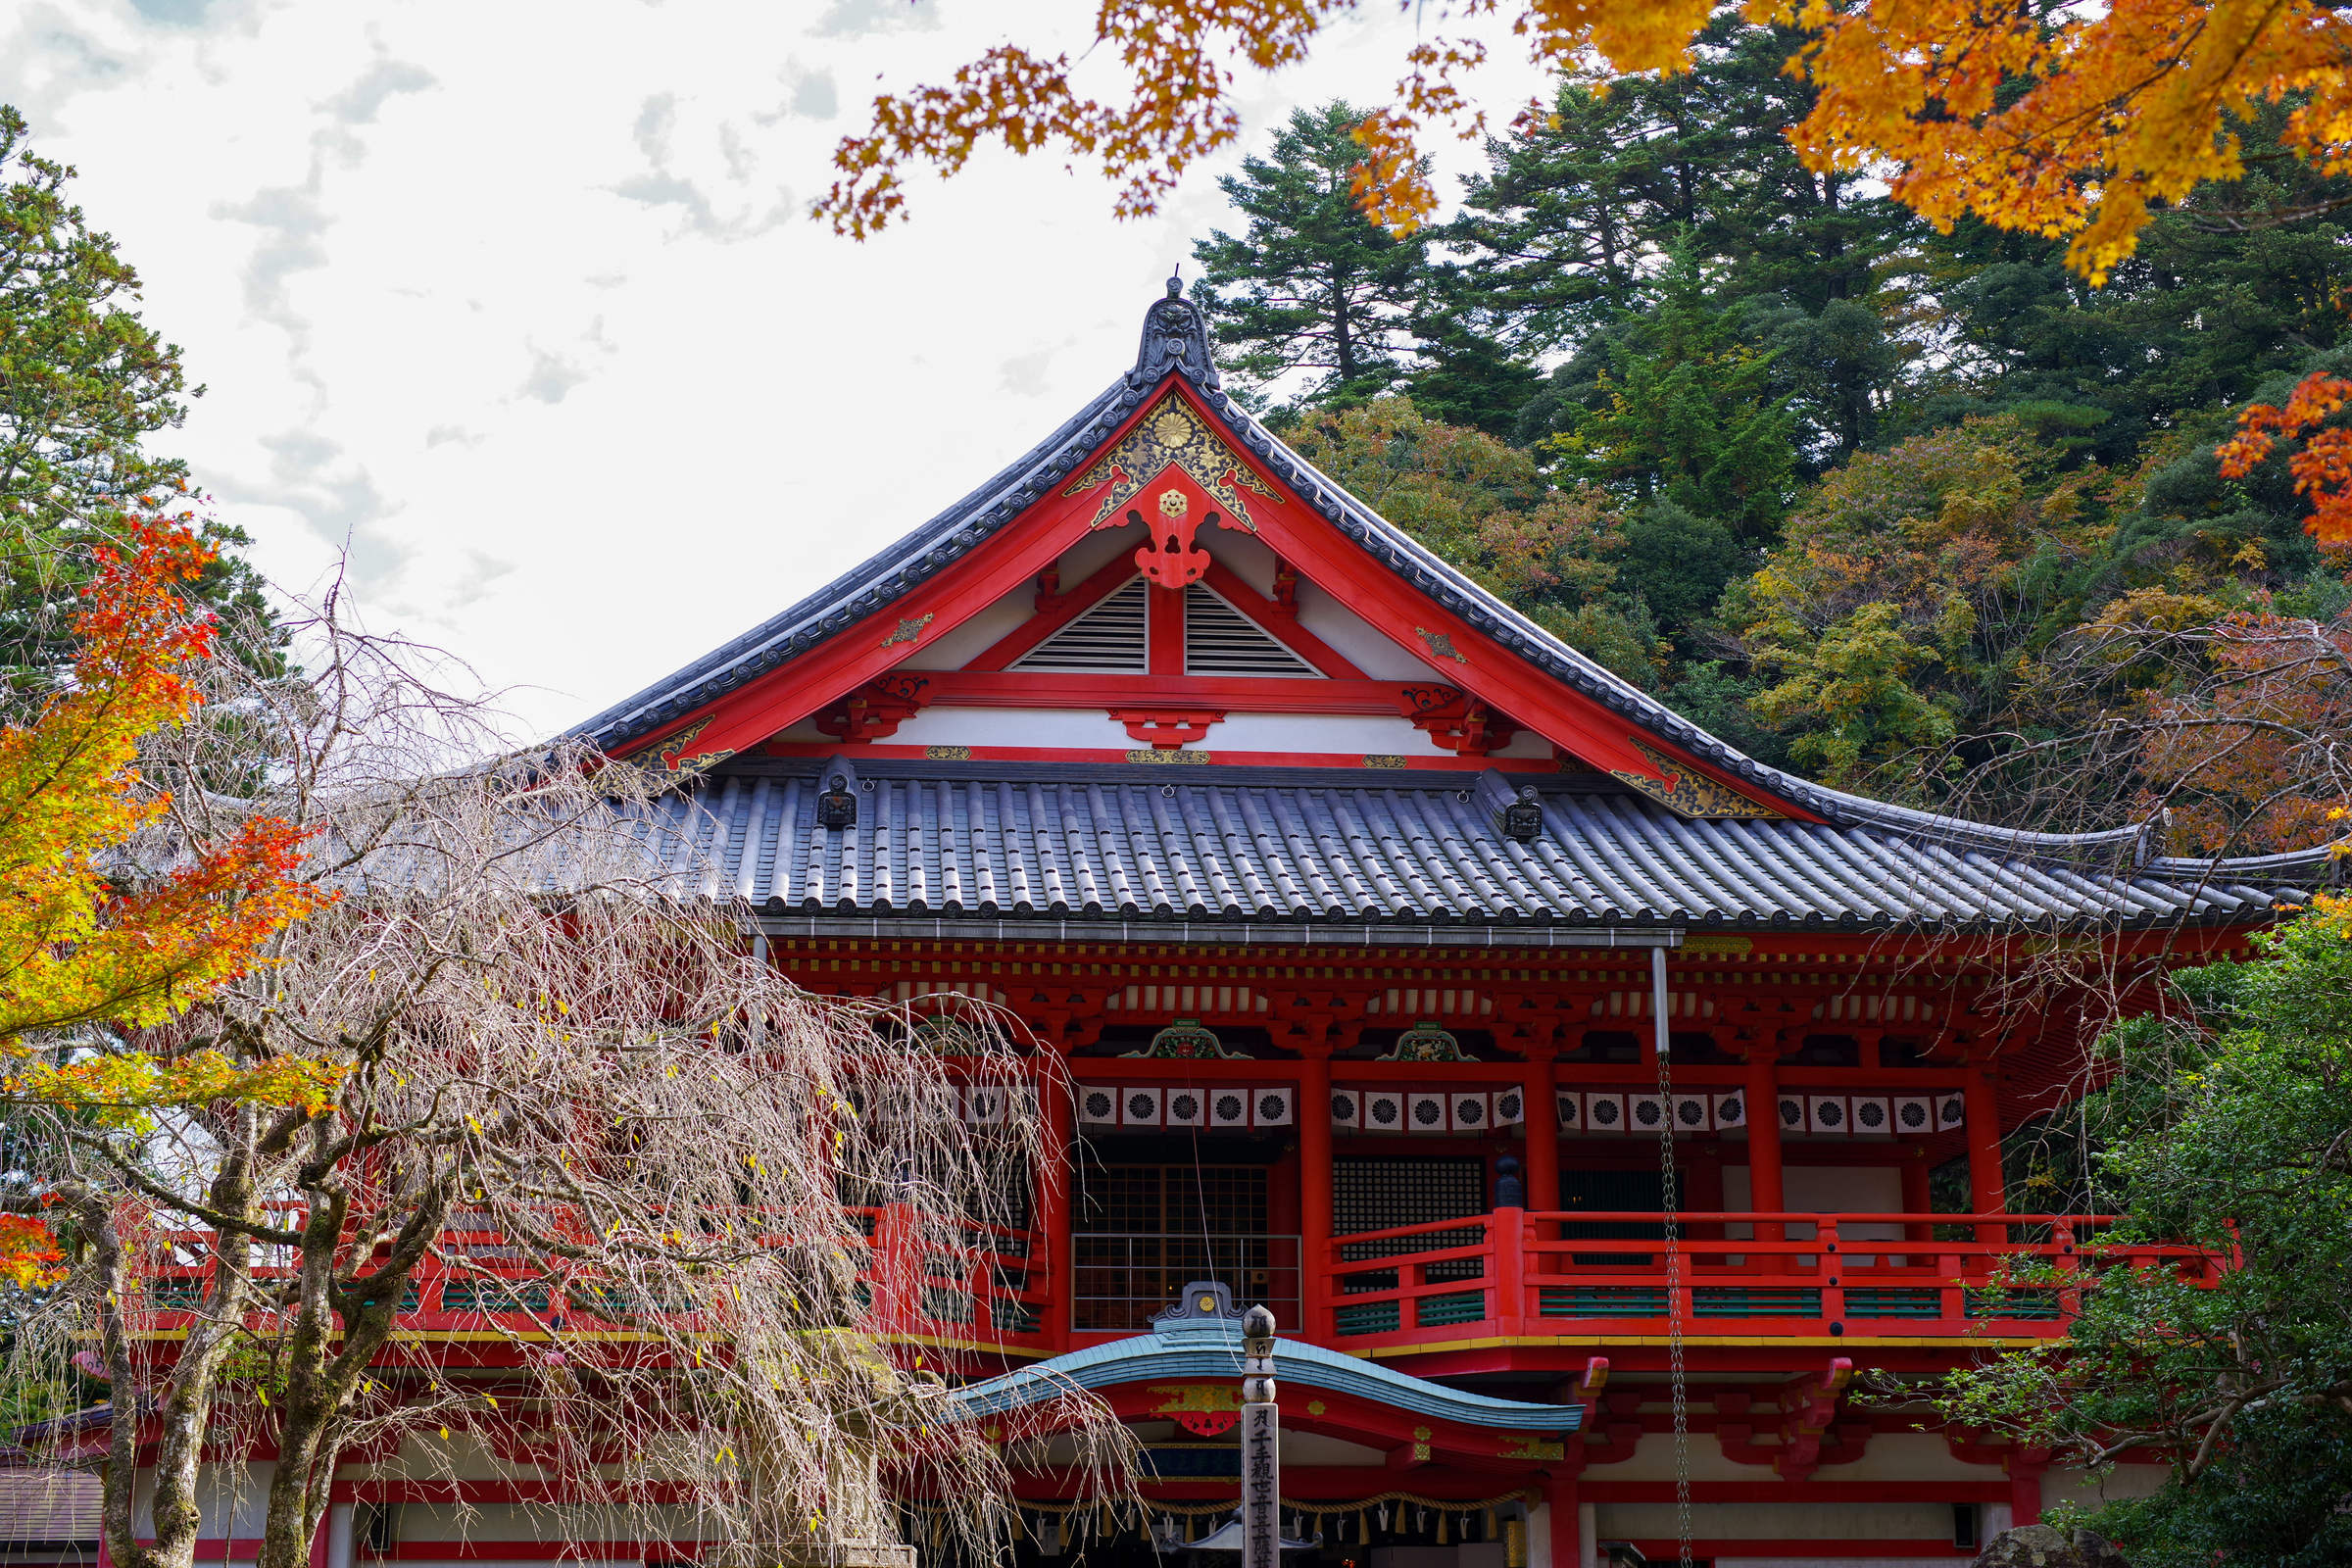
x: 1507, y: 1275
x: 1865, y: 1276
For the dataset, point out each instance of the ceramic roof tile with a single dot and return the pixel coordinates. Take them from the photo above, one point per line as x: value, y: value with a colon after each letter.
x: 1240, y: 844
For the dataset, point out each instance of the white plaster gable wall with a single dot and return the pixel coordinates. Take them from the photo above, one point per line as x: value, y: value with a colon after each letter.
x: 1091, y: 728
x: 1375, y: 653
x: 1089, y: 555
x: 1348, y: 737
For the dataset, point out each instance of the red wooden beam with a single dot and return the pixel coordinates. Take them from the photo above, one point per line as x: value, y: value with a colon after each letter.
x: 1163, y: 633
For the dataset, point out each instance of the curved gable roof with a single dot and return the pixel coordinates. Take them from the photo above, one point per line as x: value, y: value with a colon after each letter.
x: 1175, y: 343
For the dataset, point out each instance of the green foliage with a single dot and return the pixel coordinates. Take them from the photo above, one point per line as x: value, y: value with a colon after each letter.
x: 1486, y: 508
x: 2225, y: 1126
x: 84, y: 381
x: 1800, y: 402
x: 1910, y: 587
x: 1312, y: 284
x: 1677, y: 565
x: 1673, y: 404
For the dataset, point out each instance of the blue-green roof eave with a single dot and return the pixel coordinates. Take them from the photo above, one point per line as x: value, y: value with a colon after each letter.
x: 1194, y: 1354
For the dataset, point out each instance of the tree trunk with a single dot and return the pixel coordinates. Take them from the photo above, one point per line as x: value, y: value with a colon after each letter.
x: 183, y: 1412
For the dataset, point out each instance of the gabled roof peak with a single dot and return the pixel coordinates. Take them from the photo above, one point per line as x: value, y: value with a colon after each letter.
x: 1175, y: 338
x: 1175, y: 345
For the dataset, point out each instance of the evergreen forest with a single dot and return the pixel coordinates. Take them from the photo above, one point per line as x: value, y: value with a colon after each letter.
x: 1919, y: 514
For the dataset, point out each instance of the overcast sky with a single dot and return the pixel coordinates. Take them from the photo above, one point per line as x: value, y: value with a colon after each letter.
x: 520, y: 304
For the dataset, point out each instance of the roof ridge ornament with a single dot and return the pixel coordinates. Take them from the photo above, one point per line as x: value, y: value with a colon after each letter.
x: 1175, y: 338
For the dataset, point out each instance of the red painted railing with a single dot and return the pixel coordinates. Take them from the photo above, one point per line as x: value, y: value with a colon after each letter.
x: 1514, y: 1274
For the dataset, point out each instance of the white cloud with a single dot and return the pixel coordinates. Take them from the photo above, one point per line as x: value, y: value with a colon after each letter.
x: 527, y: 316
x: 856, y: 19
x: 661, y: 186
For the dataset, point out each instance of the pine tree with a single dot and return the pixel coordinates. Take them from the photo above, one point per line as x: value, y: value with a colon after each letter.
x: 1672, y: 404
x: 84, y: 381
x: 1312, y: 285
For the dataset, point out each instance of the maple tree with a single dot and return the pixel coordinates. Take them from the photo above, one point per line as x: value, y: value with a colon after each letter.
x: 2123, y: 107
x: 545, y: 1033
x: 2049, y: 120
x: 105, y: 922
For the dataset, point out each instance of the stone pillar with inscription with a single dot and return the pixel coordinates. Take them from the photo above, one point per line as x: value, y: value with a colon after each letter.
x: 1262, y: 1446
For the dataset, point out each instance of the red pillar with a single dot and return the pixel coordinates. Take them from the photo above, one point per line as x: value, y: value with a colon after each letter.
x: 1987, y: 1194
x: 1560, y: 1499
x: 1917, y: 1199
x: 1541, y: 1092
x: 1053, y: 1192
x: 2024, y: 1493
x: 1314, y: 1192
x: 1765, y: 1194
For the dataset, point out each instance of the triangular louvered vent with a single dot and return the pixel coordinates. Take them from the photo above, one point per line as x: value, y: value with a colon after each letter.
x: 1107, y: 637
x: 1220, y: 640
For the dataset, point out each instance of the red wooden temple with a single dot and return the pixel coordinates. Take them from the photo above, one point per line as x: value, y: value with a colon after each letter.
x: 1359, y: 911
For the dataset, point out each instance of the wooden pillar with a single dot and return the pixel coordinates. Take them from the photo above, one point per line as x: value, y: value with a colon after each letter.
x: 1314, y: 1192
x: 1986, y: 1193
x: 2025, y: 1495
x: 1917, y: 1198
x: 1055, y: 1192
x: 1542, y: 1092
x: 1560, y: 1499
x: 1765, y: 1192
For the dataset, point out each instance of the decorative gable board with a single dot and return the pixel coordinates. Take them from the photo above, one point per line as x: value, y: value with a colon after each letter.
x: 1192, y: 462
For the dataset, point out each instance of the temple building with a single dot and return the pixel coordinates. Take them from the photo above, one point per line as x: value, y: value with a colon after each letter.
x: 1388, y: 963
x: 1361, y: 911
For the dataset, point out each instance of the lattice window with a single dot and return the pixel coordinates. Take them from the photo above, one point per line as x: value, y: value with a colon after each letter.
x: 1175, y: 1199
x: 1374, y: 1194
x: 1220, y: 640
x: 1108, y: 637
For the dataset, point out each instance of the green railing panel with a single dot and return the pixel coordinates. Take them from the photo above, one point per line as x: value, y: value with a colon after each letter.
x: 1601, y: 1301
x: 1754, y: 1301
x: 2033, y: 1307
x: 1372, y: 1317
x: 1445, y: 1311
x: 1887, y: 1301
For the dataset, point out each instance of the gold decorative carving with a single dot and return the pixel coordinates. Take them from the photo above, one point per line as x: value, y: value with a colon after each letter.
x: 909, y: 630
x: 671, y: 756
x: 1717, y: 942
x: 1532, y: 1448
x: 1380, y: 759
x: 946, y: 754
x: 1171, y: 435
x: 1158, y: 756
x: 1684, y: 790
x: 1440, y: 644
x: 1208, y: 1397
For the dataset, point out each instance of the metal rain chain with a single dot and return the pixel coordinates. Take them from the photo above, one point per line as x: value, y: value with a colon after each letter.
x: 1674, y: 1258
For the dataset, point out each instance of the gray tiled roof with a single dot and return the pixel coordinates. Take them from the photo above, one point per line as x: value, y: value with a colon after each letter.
x: 1174, y: 341
x: 1253, y: 846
